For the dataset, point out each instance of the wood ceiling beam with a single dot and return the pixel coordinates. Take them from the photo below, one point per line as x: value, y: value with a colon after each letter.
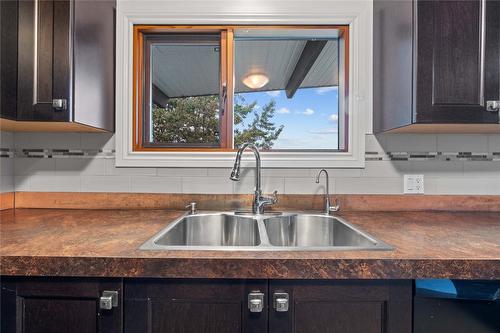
x: 310, y: 53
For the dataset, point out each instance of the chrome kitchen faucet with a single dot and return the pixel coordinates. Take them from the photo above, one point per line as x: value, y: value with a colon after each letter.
x: 259, y: 201
x: 328, y: 208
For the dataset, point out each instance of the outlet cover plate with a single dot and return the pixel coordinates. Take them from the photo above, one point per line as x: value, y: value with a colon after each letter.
x: 413, y: 184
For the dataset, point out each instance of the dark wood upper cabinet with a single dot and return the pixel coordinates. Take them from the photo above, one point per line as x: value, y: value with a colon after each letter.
x: 342, y: 306
x: 64, y: 65
x: 44, y: 64
x: 59, y: 305
x: 436, y: 64
x: 8, y: 56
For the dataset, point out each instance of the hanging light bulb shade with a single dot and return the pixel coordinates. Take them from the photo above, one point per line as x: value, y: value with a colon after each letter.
x: 255, y: 81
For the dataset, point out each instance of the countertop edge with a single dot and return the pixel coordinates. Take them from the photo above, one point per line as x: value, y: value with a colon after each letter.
x: 112, y: 267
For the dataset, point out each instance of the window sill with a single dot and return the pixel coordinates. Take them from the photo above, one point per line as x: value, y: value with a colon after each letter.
x: 226, y: 159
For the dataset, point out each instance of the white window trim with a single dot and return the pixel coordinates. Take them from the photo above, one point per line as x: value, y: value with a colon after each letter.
x: 356, y: 13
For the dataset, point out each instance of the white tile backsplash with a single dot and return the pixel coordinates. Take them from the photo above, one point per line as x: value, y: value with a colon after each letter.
x: 462, y: 143
x: 269, y: 185
x: 338, y: 172
x: 34, y: 166
x: 375, y: 143
x: 462, y: 185
x: 183, y: 172
x: 307, y: 186
x: 28, y: 140
x: 99, y: 174
x: 48, y: 183
x: 494, y: 143
x: 6, y: 139
x: 430, y: 168
x: 369, y: 186
x: 22, y: 183
x: 216, y: 185
x: 80, y: 166
x: 149, y: 184
x: 6, y: 166
x: 111, y: 170
x: 381, y: 169
x: 223, y: 172
x: 105, y: 184
x: 410, y: 142
x: 105, y: 141
x: 480, y: 169
x: 6, y: 184
x: 287, y: 173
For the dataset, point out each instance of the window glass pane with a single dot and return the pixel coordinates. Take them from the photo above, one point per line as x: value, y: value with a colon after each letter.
x: 287, y: 88
x: 184, y: 90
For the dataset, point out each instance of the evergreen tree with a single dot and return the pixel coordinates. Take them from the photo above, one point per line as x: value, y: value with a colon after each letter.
x: 187, y: 120
x: 196, y: 120
x: 261, y: 131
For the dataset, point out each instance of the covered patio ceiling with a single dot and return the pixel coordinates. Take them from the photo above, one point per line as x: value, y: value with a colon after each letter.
x: 290, y: 64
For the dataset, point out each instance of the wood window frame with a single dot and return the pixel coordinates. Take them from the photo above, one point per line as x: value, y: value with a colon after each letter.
x: 148, y: 41
x: 140, y: 79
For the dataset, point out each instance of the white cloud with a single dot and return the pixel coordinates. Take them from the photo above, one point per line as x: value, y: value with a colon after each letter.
x: 308, y: 112
x: 333, y: 117
x: 273, y: 93
x: 325, y: 90
x: 283, y: 111
x: 325, y: 131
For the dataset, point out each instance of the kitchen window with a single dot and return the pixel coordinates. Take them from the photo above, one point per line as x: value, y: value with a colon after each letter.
x: 212, y: 88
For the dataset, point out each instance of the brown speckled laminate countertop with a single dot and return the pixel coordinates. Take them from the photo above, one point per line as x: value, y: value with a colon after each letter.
x: 104, y: 243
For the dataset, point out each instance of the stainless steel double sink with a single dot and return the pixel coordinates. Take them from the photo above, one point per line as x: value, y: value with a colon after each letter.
x: 283, y: 232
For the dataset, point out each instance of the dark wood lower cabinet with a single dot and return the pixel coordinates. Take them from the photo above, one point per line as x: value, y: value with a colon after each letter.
x: 342, y: 306
x: 58, y: 305
x: 174, y: 306
x: 178, y: 306
x: 35, y: 305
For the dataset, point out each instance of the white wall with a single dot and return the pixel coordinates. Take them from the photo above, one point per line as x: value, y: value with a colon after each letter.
x: 458, y: 175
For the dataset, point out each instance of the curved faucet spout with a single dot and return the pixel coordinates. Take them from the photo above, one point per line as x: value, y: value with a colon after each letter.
x: 328, y: 208
x: 235, y: 173
x: 259, y: 201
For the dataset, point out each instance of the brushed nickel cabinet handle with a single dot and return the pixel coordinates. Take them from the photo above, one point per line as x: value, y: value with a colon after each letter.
x: 108, y: 300
x: 493, y: 106
x: 256, y: 301
x: 60, y: 104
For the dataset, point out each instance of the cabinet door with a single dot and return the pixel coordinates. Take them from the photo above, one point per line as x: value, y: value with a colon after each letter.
x: 8, y: 58
x: 191, y: 306
x: 44, y: 54
x: 32, y: 306
x: 342, y: 306
x: 458, y: 61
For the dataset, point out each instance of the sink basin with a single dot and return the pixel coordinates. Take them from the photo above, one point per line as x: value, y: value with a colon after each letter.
x: 314, y: 231
x: 268, y: 232
x: 219, y: 230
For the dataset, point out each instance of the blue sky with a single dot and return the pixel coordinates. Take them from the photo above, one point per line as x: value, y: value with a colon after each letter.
x: 310, y: 117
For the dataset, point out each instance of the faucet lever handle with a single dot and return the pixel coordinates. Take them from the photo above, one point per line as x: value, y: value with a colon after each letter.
x: 274, y: 198
x: 335, y: 207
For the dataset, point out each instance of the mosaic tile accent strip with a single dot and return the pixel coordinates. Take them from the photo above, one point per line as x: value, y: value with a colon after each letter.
x: 432, y: 156
x: 6, y: 152
x: 369, y: 155
x: 57, y: 153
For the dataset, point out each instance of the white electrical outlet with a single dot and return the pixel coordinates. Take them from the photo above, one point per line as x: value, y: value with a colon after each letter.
x: 414, y: 184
